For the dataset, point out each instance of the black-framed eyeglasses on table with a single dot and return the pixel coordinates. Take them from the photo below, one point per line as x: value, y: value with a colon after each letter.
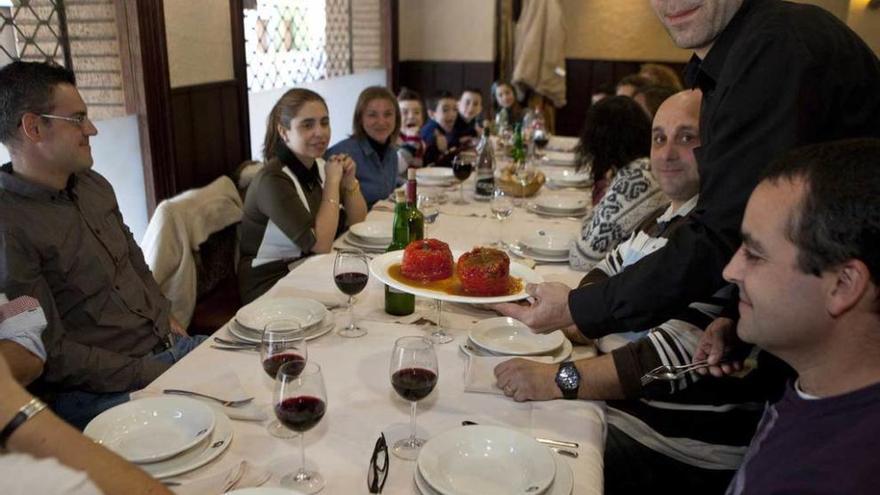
x: 378, y: 471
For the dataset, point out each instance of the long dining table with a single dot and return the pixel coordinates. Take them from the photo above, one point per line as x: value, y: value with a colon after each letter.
x: 360, y: 400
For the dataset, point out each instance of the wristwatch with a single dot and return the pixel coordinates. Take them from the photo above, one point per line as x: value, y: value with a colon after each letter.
x: 568, y: 379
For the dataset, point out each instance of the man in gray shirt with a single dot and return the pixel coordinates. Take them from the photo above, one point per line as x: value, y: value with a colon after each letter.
x: 63, y: 241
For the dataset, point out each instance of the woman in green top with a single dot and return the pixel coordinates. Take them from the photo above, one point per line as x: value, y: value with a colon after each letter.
x: 298, y: 203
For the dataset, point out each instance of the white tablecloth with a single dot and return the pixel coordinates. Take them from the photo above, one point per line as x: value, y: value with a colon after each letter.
x: 361, y: 402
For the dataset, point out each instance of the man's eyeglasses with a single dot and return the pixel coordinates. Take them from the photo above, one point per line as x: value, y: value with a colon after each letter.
x: 79, y: 120
x: 378, y: 472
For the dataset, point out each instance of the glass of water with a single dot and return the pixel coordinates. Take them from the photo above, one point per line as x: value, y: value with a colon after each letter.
x: 502, y: 207
x: 429, y: 208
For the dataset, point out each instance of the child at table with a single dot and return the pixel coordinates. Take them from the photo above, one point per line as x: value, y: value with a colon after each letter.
x: 504, y: 101
x: 411, y: 152
x: 467, y: 128
x: 441, y: 145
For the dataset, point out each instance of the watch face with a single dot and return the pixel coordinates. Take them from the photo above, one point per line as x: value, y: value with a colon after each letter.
x: 568, y: 380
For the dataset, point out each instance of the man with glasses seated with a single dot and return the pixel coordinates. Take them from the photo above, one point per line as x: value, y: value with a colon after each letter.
x: 63, y: 242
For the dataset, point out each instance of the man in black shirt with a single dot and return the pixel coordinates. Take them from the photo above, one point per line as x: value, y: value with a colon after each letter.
x: 774, y: 76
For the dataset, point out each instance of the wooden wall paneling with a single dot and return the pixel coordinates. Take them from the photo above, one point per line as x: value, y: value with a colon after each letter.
x: 207, y: 125
x: 239, y: 67
x: 181, y: 105
x: 428, y: 77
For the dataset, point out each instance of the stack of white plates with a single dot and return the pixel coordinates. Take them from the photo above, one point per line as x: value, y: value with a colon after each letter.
x: 560, y: 158
x: 371, y: 236
x: 561, y: 205
x: 165, y: 436
x: 568, y: 178
x: 312, y: 317
x: 435, y: 176
x: 476, y: 460
x: 546, y: 245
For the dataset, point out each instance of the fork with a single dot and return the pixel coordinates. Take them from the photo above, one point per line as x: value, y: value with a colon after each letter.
x: 227, y: 403
x: 669, y: 373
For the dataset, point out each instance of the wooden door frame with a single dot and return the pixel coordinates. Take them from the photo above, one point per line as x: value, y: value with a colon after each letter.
x: 146, y: 82
x: 390, y: 13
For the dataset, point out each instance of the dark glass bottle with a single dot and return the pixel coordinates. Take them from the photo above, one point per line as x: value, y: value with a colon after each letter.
x: 485, y: 183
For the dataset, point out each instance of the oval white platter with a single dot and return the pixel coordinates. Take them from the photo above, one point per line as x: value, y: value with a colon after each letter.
x: 379, y: 269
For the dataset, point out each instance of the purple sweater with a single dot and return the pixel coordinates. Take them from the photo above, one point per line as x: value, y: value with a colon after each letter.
x: 821, y: 446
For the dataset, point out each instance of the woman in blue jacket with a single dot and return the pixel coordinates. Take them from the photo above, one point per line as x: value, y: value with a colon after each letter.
x: 373, y: 146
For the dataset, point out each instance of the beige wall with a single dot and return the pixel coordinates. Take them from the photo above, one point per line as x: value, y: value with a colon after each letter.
x: 866, y: 23
x: 629, y: 30
x: 199, y: 41
x: 617, y: 30
x: 460, y: 30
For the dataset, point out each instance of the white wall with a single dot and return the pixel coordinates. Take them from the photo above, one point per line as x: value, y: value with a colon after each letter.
x: 341, y: 94
x: 117, y: 153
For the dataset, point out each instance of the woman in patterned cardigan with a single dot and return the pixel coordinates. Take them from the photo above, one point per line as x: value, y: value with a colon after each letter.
x: 616, y: 142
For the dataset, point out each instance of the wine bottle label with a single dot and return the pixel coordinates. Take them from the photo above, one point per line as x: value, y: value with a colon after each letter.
x: 485, y: 186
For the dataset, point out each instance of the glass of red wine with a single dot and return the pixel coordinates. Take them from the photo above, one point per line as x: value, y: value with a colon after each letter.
x: 462, y: 166
x: 300, y: 402
x: 282, y: 342
x: 414, y: 374
x: 351, y: 271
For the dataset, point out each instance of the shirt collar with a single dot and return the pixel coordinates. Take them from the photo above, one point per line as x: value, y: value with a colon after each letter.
x: 704, y: 73
x: 309, y: 178
x: 11, y: 182
x: 682, y: 210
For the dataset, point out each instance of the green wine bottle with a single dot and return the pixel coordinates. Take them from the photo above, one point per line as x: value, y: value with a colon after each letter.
x: 409, y: 225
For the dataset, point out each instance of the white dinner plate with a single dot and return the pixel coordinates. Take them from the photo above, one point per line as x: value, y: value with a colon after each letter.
x: 563, y: 203
x: 471, y: 348
x: 152, y: 429
x: 549, y: 242
x: 373, y: 232
x: 435, y: 174
x: 265, y: 490
x: 254, y: 336
x: 568, y: 177
x: 504, y: 335
x: 380, y: 264
x: 206, y: 451
x: 560, y: 158
x: 479, y: 459
x: 518, y: 249
x: 355, y: 241
x: 257, y: 314
x: 532, y: 207
x: 562, y: 143
x: 563, y: 483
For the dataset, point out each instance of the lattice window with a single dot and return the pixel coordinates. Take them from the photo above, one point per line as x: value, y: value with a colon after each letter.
x: 34, y: 31
x: 289, y: 42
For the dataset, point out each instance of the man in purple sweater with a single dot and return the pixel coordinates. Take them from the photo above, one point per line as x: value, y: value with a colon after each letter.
x: 808, y: 273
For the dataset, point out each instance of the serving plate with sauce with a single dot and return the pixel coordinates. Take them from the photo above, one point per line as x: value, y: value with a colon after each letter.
x: 386, y: 268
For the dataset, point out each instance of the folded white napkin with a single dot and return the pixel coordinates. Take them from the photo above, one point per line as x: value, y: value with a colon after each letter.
x: 241, y: 475
x: 479, y: 373
x: 225, y: 385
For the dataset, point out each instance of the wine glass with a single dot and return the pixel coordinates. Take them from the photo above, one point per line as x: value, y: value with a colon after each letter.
x: 428, y: 206
x: 282, y: 342
x: 541, y: 137
x: 502, y: 207
x: 414, y: 374
x: 462, y: 166
x: 300, y: 402
x: 351, y: 271
x: 523, y: 175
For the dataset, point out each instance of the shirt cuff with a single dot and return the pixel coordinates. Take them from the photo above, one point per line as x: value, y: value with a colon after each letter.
x: 588, y: 310
x: 150, y: 370
x: 632, y: 361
